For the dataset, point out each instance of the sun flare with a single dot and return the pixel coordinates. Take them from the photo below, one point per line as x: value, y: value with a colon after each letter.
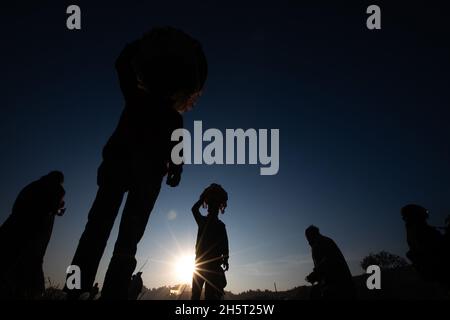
x: 184, y: 268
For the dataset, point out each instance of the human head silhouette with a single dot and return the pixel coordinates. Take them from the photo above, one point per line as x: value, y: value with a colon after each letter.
x: 56, y: 177
x: 215, y: 199
x: 312, y: 233
x: 414, y: 214
x: 172, y: 65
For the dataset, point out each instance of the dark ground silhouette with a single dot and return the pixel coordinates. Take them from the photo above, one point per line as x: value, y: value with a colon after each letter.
x: 402, y: 283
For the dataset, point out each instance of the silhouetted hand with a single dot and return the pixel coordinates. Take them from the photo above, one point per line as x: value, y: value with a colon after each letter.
x: 311, y: 278
x: 173, y: 178
x: 225, y: 266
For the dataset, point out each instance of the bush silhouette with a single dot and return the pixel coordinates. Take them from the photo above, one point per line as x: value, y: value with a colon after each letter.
x: 384, y: 260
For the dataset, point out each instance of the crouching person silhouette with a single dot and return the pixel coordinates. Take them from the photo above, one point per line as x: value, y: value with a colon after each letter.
x: 331, y: 272
x: 211, y: 249
x: 161, y: 75
x: 25, y: 235
x: 428, y: 250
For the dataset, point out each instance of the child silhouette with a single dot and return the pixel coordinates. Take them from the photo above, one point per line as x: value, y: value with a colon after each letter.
x: 211, y: 249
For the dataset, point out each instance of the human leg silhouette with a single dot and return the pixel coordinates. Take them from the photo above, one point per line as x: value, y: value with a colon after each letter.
x: 212, y: 292
x: 139, y: 204
x: 197, y: 285
x: 95, y: 236
x: 213, y: 286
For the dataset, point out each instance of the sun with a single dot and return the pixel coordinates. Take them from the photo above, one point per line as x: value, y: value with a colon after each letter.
x: 184, y: 268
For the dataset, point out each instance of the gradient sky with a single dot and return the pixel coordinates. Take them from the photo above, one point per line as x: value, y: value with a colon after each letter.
x: 363, y: 118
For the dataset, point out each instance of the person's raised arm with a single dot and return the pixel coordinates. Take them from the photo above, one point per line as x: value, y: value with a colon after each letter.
x: 127, y: 77
x: 196, y: 211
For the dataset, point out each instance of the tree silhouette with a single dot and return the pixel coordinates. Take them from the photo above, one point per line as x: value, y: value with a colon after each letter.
x: 384, y: 260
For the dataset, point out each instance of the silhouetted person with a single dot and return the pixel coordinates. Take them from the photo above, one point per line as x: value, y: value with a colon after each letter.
x: 136, y: 286
x: 94, y: 292
x: 211, y: 249
x: 447, y: 234
x: 25, y: 235
x: 428, y: 251
x: 331, y: 271
x: 161, y: 75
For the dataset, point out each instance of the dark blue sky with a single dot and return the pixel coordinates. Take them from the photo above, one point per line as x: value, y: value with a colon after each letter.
x: 363, y: 118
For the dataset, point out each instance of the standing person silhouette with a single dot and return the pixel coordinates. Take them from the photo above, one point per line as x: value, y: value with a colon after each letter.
x: 211, y: 249
x: 161, y: 76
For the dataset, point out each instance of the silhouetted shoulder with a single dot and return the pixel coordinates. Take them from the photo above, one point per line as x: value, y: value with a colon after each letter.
x: 327, y: 241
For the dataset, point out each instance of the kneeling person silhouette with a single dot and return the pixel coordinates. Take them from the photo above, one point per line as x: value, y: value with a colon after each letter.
x: 25, y: 235
x: 429, y: 251
x: 331, y: 272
